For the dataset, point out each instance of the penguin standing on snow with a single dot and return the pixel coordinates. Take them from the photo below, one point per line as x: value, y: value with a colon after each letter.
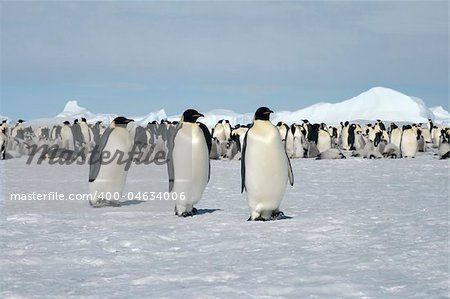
x: 265, y: 168
x: 67, y: 140
x: 107, y: 177
x: 86, y: 131
x: 188, y: 162
x: 409, y: 144
x: 395, y: 135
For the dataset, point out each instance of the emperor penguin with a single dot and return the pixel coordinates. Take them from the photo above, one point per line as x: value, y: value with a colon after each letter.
x: 222, y: 130
x: 299, y: 141
x: 395, y: 135
x: 188, y: 162
x: 345, y: 135
x: 96, y: 132
x: 265, y: 168
x: 422, y: 146
x: 435, y: 136
x: 409, y: 144
x: 86, y: 131
x: 19, y: 126
x: 216, y: 150
x: 351, y: 137
x: 107, y: 176
x: 77, y: 134
x: 67, y: 141
x: 283, y: 129
x: 227, y: 129
x: 55, y: 133
x: 323, y: 139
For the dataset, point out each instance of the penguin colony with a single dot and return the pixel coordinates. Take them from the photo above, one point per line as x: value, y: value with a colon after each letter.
x: 263, y: 149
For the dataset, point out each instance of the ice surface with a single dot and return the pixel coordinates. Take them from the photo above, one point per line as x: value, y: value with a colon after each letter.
x: 441, y: 115
x: 376, y: 103
x: 359, y: 229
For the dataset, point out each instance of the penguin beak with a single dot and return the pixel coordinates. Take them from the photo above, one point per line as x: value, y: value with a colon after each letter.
x: 129, y: 120
x: 268, y: 112
x: 199, y: 115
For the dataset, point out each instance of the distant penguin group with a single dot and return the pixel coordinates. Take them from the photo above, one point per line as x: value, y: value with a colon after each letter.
x: 187, y: 146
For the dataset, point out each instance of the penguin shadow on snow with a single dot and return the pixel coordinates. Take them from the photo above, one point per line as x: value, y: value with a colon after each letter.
x: 133, y: 202
x: 206, y: 211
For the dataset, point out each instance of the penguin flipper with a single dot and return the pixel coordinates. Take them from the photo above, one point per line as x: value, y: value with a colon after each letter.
x: 208, y: 139
x: 290, y: 173
x: 244, y: 147
x: 95, y: 160
x: 170, y: 167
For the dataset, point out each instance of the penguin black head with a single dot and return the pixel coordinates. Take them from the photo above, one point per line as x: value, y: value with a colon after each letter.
x: 4, y: 121
x: 66, y: 122
x: 20, y: 121
x: 191, y: 115
x: 121, y: 121
x: 83, y: 119
x: 75, y: 121
x: 346, y: 123
x: 263, y: 113
x: 99, y: 122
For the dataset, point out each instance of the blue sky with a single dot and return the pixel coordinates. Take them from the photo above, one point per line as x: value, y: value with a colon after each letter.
x: 131, y: 58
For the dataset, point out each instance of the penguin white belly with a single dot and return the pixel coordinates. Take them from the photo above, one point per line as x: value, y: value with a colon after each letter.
x: 219, y: 133
x: 435, y: 137
x: 290, y: 150
x: 191, y: 166
x: 324, y: 141
x: 113, y: 173
x: 85, y: 131
x: 396, y: 137
x: 266, y: 169
x: 299, y: 150
x: 426, y: 135
x: 344, y: 139
x: 409, y: 144
x: 67, y: 138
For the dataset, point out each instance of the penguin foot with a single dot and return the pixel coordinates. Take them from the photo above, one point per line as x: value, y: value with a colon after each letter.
x: 187, y: 214
x: 259, y: 218
x: 101, y: 202
x: 194, y: 211
x: 277, y: 215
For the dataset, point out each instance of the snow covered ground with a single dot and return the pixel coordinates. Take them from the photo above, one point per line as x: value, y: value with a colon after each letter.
x: 359, y: 229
